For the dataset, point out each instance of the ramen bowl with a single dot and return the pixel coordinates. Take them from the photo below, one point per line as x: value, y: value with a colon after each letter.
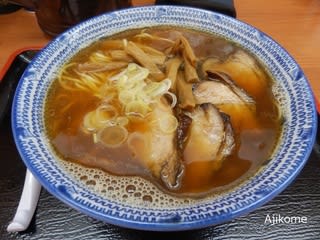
x: 168, y: 213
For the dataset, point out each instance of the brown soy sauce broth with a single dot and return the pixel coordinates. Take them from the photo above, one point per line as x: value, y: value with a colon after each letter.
x: 255, y: 135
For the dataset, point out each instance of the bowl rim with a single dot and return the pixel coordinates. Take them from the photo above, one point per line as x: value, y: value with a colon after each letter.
x: 173, y: 225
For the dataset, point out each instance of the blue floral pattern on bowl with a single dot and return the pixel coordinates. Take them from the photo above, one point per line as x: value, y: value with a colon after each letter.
x: 296, y: 103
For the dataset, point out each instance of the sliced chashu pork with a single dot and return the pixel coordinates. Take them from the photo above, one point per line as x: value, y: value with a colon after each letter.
x: 219, y: 89
x: 156, y: 148
x: 210, y: 136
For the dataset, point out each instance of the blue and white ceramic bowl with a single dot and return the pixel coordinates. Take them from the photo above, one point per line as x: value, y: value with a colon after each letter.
x: 295, y: 145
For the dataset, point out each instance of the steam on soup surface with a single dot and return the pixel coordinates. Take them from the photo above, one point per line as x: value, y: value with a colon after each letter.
x: 186, y: 110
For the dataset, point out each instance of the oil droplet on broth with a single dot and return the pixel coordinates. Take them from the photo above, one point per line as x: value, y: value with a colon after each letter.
x: 91, y: 182
x: 147, y: 198
x: 130, y: 189
x: 83, y: 178
x: 137, y: 194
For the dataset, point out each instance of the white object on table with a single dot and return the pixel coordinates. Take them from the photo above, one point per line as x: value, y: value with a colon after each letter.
x: 27, y: 205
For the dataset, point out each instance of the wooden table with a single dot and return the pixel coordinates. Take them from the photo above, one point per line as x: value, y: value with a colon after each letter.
x: 295, y: 24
